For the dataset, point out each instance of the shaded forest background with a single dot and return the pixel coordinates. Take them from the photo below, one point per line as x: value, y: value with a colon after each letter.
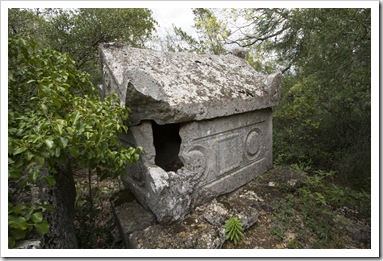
x: 322, y: 125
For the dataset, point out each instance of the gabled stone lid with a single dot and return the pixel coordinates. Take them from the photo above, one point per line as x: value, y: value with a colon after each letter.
x: 176, y: 87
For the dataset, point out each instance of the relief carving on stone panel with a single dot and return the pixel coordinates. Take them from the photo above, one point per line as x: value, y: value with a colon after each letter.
x: 253, y: 144
x: 195, y: 159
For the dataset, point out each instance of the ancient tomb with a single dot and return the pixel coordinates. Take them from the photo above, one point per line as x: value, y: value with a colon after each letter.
x: 204, y: 121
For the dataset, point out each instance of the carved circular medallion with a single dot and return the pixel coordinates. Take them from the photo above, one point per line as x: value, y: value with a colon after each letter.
x: 253, y: 144
x: 195, y: 161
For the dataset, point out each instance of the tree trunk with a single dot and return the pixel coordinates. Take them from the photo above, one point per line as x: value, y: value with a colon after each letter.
x: 61, y: 221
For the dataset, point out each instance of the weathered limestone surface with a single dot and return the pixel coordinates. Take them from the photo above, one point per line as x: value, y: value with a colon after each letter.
x: 204, y: 122
x: 183, y: 86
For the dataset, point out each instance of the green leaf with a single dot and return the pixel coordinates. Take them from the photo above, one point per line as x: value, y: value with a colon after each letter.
x: 64, y: 142
x: 49, y: 143
x: 45, y: 154
x: 81, y: 127
x: 75, y: 118
x: 40, y: 160
x: 44, y: 108
x: 42, y: 227
x: 59, y: 128
x: 29, y: 155
x: 14, y: 173
x: 74, y: 152
x: 37, y: 217
x: 33, y: 175
x: 18, y: 223
x: 57, y: 102
x: 48, y: 207
x: 34, y: 138
x: 19, y: 150
x: 57, y: 152
x: 17, y: 209
x: 50, y: 180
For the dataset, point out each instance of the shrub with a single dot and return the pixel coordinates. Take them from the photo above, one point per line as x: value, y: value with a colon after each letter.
x: 56, y: 116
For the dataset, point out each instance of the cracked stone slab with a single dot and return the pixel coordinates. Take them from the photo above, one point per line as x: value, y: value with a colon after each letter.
x: 184, y: 86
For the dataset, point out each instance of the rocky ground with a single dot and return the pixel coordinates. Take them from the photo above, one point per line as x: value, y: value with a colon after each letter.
x: 281, y: 223
x: 280, y: 228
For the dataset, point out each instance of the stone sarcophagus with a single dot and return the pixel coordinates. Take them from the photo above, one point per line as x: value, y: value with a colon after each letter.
x: 204, y: 122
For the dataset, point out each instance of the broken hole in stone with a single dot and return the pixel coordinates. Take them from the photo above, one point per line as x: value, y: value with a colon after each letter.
x: 167, y: 143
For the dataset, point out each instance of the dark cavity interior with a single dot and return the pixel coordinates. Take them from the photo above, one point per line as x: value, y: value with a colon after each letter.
x: 167, y: 142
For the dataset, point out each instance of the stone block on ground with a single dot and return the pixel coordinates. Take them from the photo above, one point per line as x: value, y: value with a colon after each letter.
x: 130, y: 217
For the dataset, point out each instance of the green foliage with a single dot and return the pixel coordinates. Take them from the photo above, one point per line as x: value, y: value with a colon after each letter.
x: 212, y: 32
x: 309, y: 211
x: 324, y: 115
x: 24, y: 219
x: 233, y: 229
x: 54, y: 116
x: 25, y: 22
x: 78, y: 32
x: 334, y: 195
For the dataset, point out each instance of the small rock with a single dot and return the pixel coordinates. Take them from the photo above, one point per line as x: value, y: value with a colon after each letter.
x: 200, y: 209
x: 292, y: 182
x: 215, y: 214
x: 251, y: 195
x: 289, y: 236
x: 29, y: 244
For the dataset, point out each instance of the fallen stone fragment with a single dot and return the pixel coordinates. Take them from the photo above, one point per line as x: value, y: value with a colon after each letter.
x: 202, y: 228
x: 131, y: 217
